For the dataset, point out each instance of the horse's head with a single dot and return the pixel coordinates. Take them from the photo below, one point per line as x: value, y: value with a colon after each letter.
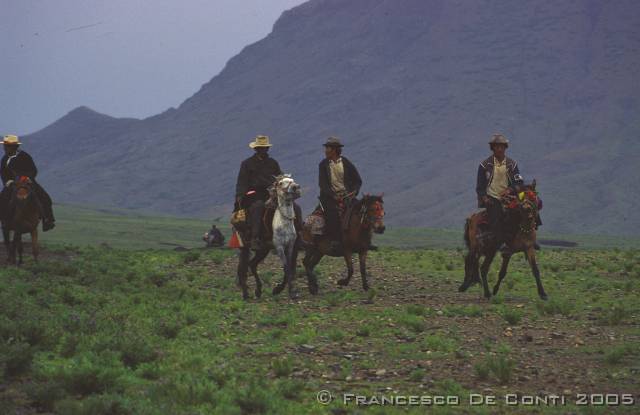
x: 22, y: 188
x: 286, y: 187
x: 373, y: 207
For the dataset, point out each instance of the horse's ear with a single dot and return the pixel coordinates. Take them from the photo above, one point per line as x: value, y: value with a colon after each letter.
x: 533, y: 184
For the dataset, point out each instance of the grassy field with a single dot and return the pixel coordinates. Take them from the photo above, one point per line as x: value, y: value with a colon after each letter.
x: 82, y: 226
x: 106, y: 326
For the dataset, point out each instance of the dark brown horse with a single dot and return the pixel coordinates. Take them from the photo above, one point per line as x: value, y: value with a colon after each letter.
x: 521, y: 210
x: 366, y: 218
x: 23, y: 217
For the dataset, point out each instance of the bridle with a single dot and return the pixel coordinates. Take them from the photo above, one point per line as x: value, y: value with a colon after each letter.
x: 365, y: 218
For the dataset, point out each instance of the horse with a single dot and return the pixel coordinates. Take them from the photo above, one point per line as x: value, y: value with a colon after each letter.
x: 23, y: 217
x: 365, y: 218
x: 520, y: 221
x: 284, y: 238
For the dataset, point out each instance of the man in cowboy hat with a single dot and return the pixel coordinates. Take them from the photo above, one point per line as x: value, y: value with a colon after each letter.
x: 495, y: 175
x: 19, y: 163
x: 338, y: 178
x: 256, y: 175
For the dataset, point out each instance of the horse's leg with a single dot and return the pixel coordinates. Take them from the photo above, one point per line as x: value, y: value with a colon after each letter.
x: 484, y: 270
x: 280, y: 250
x: 362, y: 260
x: 291, y: 268
x: 531, y: 257
x: 7, y: 243
x: 18, y: 242
x: 243, y: 264
x: 35, y: 249
x: 348, y: 259
x: 253, y: 266
x: 503, y: 271
x: 311, y: 259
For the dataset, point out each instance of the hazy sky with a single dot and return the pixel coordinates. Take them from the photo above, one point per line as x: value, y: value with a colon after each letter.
x: 131, y: 58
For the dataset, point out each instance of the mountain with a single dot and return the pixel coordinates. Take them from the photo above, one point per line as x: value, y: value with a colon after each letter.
x: 414, y: 88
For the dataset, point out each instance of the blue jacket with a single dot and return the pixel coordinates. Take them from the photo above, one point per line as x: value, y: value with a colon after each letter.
x: 485, y: 176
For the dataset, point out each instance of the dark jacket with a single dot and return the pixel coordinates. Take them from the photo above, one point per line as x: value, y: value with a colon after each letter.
x: 485, y: 176
x: 256, y: 174
x: 20, y: 164
x: 352, y: 180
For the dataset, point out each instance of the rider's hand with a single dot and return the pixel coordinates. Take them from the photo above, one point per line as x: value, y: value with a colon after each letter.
x: 8, y: 183
x: 485, y: 199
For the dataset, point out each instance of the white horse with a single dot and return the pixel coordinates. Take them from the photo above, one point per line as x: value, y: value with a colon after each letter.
x: 284, y: 230
x: 285, y: 191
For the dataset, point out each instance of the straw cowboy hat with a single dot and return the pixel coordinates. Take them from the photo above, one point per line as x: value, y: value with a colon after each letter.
x: 499, y: 139
x: 260, y: 141
x: 333, y: 142
x: 11, y: 140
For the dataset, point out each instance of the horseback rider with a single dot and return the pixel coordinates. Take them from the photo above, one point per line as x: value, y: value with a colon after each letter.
x: 495, y: 175
x: 339, y: 182
x: 15, y: 163
x: 255, y: 177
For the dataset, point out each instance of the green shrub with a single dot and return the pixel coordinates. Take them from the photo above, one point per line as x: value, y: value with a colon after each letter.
x: 363, y: 331
x: 86, y: 375
x: 44, y: 395
x: 615, y: 354
x: 191, y: 256
x: 482, y: 370
x: 169, y: 328
x: 512, y: 315
x: 253, y: 398
x: 413, y: 323
x: 135, y: 350
x: 290, y: 389
x: 16, y: 358
x: 282, y: 367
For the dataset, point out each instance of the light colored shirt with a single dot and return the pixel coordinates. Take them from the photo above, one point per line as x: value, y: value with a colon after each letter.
x: 500, y: 180
x: 336, y: 169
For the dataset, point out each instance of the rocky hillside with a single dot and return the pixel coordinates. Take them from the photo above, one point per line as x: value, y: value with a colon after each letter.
x: 414, y: 88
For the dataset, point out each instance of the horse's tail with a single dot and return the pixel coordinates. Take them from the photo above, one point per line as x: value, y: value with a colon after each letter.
x: 467, y: 240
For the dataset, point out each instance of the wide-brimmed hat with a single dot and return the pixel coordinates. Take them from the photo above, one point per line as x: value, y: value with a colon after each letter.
x: 11, y: 140
x: 260, y: 141
x: 333, y: 142
x: 499, y: 139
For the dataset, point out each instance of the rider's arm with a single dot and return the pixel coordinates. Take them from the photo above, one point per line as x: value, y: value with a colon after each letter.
x: 481, y: 183
x: 242, y: 184
x: 357, y: 180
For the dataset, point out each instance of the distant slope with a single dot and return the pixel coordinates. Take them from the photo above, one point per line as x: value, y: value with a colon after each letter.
x: 414, y: 88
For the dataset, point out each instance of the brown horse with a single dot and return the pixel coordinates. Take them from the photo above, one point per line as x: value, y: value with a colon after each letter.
x: 366, y: 217
x: 520, y: 223
x: 23, y: 217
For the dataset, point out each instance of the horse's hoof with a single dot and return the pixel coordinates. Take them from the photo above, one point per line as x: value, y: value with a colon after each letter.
x: 343, y: 282
x: 313, y: 289
x: 258, y: 292
x: 495, y: 290
x: 245, y: 296
x: 463, y: 287
x: 293, y: 295
x: 365, y: 287
x: 544, y: 297
x: 277, y: 289
x: 487, y: 296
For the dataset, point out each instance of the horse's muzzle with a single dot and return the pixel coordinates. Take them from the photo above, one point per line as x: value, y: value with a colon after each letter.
x: 379, y: 229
